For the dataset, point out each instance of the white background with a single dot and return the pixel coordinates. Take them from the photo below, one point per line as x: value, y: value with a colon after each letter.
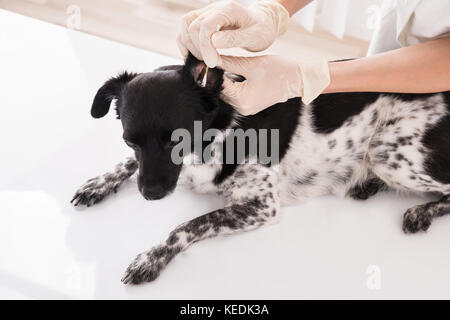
x: 49, y: 249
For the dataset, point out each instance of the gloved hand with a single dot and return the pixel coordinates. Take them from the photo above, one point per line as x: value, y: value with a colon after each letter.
x: 254, y: 28
x: 272, y: 79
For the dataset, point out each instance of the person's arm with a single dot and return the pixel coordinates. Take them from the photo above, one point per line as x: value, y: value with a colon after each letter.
x: 421, y: 68
x: 292, y: 6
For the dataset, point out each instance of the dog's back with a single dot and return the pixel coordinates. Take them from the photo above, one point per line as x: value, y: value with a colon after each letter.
x: 346, y: 139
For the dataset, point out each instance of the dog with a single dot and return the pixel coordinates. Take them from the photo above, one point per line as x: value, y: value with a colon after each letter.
x: 353, y: 144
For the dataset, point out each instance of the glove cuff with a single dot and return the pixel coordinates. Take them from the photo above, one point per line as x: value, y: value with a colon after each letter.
x: 315, y: 78
x: 277, y: 12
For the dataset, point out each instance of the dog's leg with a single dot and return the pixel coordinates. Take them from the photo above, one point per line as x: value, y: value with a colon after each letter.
x: 367, y: 189
x: 95, y: 189
x: 245, y: 214
x: 235, y: 218
x: 419, y: 217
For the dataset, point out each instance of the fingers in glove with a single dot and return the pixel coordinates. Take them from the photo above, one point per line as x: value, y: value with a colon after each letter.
x: 229, y: 15
x: 185, y: 40
x: 235, y: 93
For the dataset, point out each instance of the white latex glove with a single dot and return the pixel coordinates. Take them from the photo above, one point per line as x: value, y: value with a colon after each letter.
x: 254, y: 28
x: 272, y: 79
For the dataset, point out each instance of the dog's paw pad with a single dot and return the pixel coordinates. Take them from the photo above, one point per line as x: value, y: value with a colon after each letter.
x: 92, y: 192
x: 416, y: 219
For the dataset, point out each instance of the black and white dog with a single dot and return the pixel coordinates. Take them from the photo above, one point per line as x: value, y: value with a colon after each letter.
x: 348, y: 144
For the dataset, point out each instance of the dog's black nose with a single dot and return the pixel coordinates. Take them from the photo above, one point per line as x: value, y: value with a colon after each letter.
x: 153, y: 193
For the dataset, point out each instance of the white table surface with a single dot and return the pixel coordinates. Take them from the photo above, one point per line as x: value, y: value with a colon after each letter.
x: 48, y: 249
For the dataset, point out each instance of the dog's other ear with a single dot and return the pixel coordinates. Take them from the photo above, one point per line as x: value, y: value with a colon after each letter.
x: 196, y: 69
x: 108, y: 92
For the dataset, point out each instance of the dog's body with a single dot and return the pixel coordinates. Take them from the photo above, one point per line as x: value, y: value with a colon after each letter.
x: 347, y: 144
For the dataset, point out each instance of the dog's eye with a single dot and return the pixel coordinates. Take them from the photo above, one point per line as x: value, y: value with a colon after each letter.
x: 131, y: 145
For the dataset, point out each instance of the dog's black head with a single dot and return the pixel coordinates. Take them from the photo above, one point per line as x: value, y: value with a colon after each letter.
x: 152, y: 105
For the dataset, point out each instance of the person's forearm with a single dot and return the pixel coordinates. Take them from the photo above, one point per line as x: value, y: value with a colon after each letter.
x: 422, y: 68
x: 292, y: 6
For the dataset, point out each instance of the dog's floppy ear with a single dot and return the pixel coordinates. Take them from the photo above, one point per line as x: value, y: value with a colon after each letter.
x: 196, y: 69
x: 108, y: 92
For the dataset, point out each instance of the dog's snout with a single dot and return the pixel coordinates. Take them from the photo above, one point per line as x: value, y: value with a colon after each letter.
x: 153, y: 192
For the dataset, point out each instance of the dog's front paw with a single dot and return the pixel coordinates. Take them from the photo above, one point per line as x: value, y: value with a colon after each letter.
x: 93, y: 191
x: 416, y: 219
x: 148, y: 265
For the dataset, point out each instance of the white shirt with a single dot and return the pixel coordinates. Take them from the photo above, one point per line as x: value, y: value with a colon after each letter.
x: 408, y: 22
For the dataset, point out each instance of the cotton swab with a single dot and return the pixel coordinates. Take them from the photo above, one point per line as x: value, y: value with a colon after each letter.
x: 205, y: 77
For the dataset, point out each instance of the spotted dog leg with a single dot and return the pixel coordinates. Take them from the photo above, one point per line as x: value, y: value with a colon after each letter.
x: 419, y: 217
x: 367, y: 189
x: 243, y: 216
x: 95, y: 189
